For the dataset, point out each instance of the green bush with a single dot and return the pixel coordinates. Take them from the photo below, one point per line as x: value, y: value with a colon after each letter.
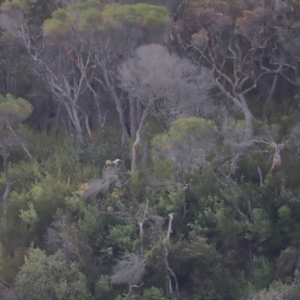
x: 262, y: 273
x: 153, y: 293
x: 50, y: 278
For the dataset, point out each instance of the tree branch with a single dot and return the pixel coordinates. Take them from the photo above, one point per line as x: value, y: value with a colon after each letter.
x: 5, y: 156
x: 141, y: 224
x: 166, y: 253
x: 134, y: 151
x: 22, y: 145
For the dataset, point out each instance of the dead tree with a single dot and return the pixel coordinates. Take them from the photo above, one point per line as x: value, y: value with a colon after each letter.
x: 129, y: 270
x: 169, y: 272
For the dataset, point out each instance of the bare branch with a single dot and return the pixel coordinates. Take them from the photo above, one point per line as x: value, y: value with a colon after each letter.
x: 134, y: 150
x: 166, y: 253
x: 141, y: 224
x: 261, y: 179
x: 129, y: 270
x: 22, y: 144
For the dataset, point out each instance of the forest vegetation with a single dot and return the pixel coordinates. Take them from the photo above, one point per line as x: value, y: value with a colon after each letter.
x: 150, y: 149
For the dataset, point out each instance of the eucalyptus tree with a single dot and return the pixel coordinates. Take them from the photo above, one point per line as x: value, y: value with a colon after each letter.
x: 50, y: 277
x: 109, y: 34
x: 113, y: 35
x: 57, y: 61
x: 12, y: 113
x: 164, y: 86
x: 249, y: 46
x: 80, y: 48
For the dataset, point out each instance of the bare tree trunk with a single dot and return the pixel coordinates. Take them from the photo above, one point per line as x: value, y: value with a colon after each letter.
x: 5, y: 156
x: 248, y: 116
x: 134, y: 151
x: 144, y: 146
x: 87, y: 126
x: 270, y: 96
x: 240, y: 100
x: 73, y: 110
x: 127, y: 297
x: 184, y: 189
x: 133, y: 116
x: 118, y: 104
x: 141, y: 225
x: 139, y: 114
x: 168, y: 269
x: 76, y: 123
x: 101, y: 117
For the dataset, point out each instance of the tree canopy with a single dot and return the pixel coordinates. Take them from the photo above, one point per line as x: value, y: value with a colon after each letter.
x: 149, y: 149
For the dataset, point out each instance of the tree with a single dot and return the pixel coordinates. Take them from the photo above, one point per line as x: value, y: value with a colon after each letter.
x: 192, y: 144
x: 45, y: 64
x: 159, y: 84
x: 12, y: 113
x: 128, y: 270
x: 103, y: 30
x: 125, y: 27
x: 81, y: 46
x: 65, y: 236
x: 243, y: 45
x: 188, y: 145
x: 50, y: 277
x: 153, y: 294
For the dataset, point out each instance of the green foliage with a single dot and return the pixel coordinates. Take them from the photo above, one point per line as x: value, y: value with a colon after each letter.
x: 37, y: 204
x: 53, y: 26
x: 37, y: 11
x: 183, y: 129
x: 90, y: 20
x: 153, y: 293
x: 162, y: 169
x: 248, y: 166
x: 191, y: 126
x: 262, y: 274
x: 11, y: 5
x: 60, y: 23
x: 122, y: 236
x: 167, y: 203
x: 141, y: 13
x: 198, y: 3
x: 277, y: 290
x: 60, y: 14
x: 13, y: 111
x: 59, y: 156
x: 194, y: 260
x: 137, y: 184
x: 211, y: 209
x: 67, y: 236
x: 90, y: 221
x: 284, y: 213
x: 50, y: 277
x: 85, y: 5
x: 261, y: 229
x: 12, y: 264
x: 187, y: 144
x: 103, y: 289
x: 237, y: 219
x: 29, y: 216
x: 91, y: 16
x: 86, y: 152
